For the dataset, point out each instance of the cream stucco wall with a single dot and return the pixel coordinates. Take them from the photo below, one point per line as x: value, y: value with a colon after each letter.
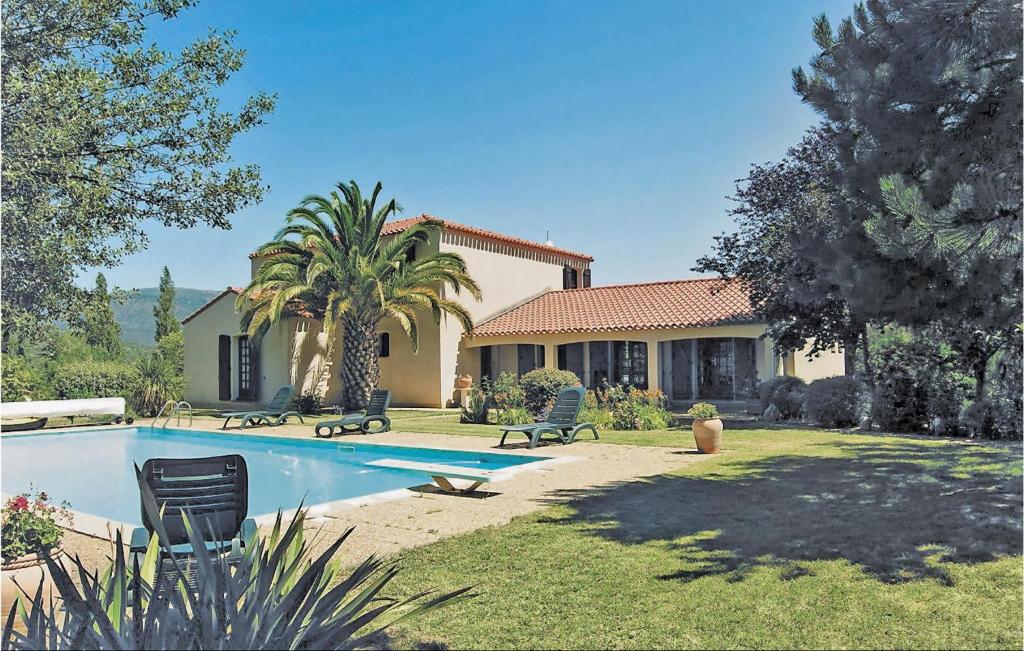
x: 202, y: 334
x: 508, y: 276
x: 828, y: 364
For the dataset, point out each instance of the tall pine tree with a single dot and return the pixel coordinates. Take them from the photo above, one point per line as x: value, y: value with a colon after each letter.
x: 98, y: 326
x: 163, y: 311
x: 924, y: 101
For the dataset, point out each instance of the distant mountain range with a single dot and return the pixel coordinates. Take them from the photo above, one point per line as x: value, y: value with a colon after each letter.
x: 135, y: 316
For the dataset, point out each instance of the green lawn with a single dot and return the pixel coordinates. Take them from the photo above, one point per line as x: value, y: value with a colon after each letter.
x: 790, y: 538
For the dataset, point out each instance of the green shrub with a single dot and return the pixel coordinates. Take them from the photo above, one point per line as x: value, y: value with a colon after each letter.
x: 638, y: 415
x: 19, y: 381
x: 978, y: 419
x: 835, y: 401
x: 309, y: 402
x: 918, y: 383
x: 514, y: 416
x: 92, y: 379
x: 786, y: 393
x: 1008, y: 391
x: 479, y: 408
x: 506, y: 392
x: 541, y: 386
x: 599, y: 416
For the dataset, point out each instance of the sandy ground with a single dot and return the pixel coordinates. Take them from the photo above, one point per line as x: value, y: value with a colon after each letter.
x: 429, y: 515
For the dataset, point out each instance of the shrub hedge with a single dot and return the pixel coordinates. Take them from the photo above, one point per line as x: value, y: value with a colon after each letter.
x: 93, y: 379
x: 834, y: 401
x: 786, y: 393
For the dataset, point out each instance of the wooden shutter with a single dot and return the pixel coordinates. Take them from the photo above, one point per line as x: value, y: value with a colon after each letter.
x: 586, y: 277
x: 224, y: 367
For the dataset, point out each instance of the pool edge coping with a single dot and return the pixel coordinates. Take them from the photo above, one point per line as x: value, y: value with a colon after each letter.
x: 106, y: 529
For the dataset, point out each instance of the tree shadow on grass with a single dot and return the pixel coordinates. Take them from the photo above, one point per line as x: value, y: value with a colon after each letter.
x: 893, y: 508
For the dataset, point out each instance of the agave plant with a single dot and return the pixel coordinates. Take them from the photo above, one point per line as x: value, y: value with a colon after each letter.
x: 274, y: 595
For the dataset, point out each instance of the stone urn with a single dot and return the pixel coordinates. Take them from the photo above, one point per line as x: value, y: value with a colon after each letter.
x: 707, y: 434
x: 27, y: 571
x: 464, y: 381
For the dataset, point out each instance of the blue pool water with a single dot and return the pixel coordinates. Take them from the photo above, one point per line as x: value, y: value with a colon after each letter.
x: 93, y: 469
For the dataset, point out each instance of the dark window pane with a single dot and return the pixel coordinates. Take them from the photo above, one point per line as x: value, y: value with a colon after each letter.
x: 570, y: 278
x: 630, y: 363
x: 746, y: 368
x: 570, y: 358
x: 385, y: 345
x: 486, y: 363
x: 717, y: 365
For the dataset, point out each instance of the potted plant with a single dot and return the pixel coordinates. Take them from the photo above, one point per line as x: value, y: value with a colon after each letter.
x: 31, y: 531
x: 707, y: 427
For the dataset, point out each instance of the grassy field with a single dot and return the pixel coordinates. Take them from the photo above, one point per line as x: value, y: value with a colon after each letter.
x: 790, y: 538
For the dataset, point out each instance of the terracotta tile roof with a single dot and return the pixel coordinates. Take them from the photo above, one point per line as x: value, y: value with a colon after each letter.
x: 398, y: 226
x: 390, y: 228
x: 209, y: 303
x: 646, y: 306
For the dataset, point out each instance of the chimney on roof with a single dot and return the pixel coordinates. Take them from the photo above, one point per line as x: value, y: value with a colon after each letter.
x: 547, y: 238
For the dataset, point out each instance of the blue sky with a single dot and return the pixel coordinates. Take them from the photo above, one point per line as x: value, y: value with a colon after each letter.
x: 620, y: 127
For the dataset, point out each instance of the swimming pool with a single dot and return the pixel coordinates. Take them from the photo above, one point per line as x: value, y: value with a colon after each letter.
x: 93, y: 469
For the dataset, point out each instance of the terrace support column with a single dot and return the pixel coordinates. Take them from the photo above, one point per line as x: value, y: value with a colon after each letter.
x: 550, y: 356
x: 586, y: 365
x: 653, y: 366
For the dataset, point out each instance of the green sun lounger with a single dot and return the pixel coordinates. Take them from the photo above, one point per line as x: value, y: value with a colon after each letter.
x: 561, y: 420
x: 273, y: 415
x: 376, y: 412
x: 216, y: 492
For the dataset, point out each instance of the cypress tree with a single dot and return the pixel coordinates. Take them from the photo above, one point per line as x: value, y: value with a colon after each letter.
x: 98, y: 326
x: 163, y: 311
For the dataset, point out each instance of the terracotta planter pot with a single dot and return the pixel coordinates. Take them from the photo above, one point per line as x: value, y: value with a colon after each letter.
x: 707, y: 433
x: 464, y: 382
x: 27, y: 570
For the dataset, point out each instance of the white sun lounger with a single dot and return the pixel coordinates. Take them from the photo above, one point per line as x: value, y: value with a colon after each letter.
x: 43, y: 409
x: 441, y: 473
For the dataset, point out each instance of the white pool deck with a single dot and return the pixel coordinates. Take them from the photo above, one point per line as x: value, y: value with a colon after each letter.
x: 390, y: 522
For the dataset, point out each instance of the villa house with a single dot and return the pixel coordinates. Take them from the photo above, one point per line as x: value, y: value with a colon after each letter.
x: 691, y: 338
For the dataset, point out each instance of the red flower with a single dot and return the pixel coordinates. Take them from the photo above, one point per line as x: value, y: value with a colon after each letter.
x: 19, y: 503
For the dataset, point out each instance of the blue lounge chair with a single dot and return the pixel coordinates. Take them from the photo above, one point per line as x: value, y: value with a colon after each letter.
x: 376, y: 412
x: 561, y: 420
x: 273, y: 415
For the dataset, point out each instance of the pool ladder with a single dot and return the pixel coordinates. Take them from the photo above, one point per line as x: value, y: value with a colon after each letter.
x: 175, y: 412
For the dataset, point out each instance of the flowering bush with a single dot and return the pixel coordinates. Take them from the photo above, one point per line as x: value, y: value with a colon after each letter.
x: 30, y: 525
x: 650, y: 397
x: 703, y: 410
x: 625, y: 408
x: 506, y: 392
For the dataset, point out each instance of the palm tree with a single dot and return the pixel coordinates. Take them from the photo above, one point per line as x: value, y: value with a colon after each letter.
x: 330, y: 262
